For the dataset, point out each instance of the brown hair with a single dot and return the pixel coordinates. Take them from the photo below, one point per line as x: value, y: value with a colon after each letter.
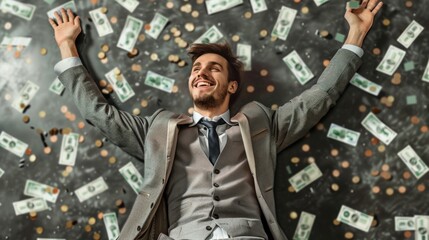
x: 223, y: 49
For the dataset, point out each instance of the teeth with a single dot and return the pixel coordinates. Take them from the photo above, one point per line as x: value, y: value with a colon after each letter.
x: 203, y: 84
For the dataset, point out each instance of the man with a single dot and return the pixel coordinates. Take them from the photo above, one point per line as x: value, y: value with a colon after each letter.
x: 209, y: 179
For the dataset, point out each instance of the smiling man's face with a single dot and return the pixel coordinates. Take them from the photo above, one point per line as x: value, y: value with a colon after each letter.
x: 208, y: 83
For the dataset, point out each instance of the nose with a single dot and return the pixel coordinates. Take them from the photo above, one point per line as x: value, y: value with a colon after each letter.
x: 202, y: 73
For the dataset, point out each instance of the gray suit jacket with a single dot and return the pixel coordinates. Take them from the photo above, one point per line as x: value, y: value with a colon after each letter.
x: 153, y: 139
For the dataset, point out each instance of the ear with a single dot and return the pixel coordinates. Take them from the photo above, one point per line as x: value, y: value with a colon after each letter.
x: 232, y: 86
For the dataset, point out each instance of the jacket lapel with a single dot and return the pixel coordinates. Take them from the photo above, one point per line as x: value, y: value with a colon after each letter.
x: 247, y: 139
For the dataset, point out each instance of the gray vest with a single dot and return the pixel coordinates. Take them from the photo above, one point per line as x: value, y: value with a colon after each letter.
x: 201, y: 196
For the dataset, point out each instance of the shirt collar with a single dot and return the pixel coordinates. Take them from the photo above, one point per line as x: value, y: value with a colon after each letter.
x: 225, y: 116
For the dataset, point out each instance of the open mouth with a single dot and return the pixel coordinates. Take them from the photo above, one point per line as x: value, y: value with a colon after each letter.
x: 203, y: 83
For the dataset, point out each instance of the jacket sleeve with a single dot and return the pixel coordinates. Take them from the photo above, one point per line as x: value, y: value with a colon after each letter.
x: 121, y: 128
x: 295, y: 118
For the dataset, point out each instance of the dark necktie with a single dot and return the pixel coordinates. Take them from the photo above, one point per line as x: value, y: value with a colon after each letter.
x: 214, y: 148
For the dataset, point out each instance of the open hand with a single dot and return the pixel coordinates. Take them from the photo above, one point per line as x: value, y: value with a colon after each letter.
x: 67, y: 26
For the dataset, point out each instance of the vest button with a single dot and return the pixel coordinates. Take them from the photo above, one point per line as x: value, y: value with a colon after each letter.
x: 216, y: 171
x: 215, y: 216
x: 208, y: 228
x: 216, y: 198
x: 139, y: 228
x: 215, y: 184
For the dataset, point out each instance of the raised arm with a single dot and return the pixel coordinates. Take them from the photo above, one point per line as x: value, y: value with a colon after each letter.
x: 293, y: 120
x: 122, y: 129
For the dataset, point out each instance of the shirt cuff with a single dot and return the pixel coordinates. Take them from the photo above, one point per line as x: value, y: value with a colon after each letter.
x: 357, y: 50
x: 66, y: 64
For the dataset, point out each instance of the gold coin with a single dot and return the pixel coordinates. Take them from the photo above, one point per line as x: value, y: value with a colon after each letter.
x: 105, y: 48
x: 402, y: 189
x: 200, y: 1
x: 117, y: 71
x: 28, y: 151
x: 183, y: 44
x: 311, y: 160
x: 154, y: 57
x: 134, y: 52
x: 175, y: 89
x: 53, y: 139
x: 293, y: 215
x: 291, y: 189
x: 26, y: 119
x: 385, y: 167
x: 47, y: 150
x: 334, y: 152
x: 104, y: 10
x: 386, y: 22
x: 32, y: 158
x: 91, y: 221
x: 421, y: 187
x: 375, y: 173
x: 345, y: 164
x: 190, y: 27
x: 43, y: 51
x: 390, y: 99
x: 169, y: 5
x: 39, y: 230
x: 112, y: 160
x: 98, y: 143
x: 376, y: 51
x: 191, y: 110
x: 414, y: 120
x: 96, y: 236
x: 8, y: 25
x: 100, y: 215
x: 263, y: 72
x: 147, y: 27
x: 102, y: 83
x: 69, y: 169
x: 182, y: 63
x: 136, y: 67
x: 174, y: 29
x: 263, y: 33
x: 336, y: 173
x: 81, y: 125
x: 270, y: 88
x: 32, y: 214
x: 69, y: 224
x: 390, y: 191
x: 235, y: 38
x: 326, y: 62
x: 376, y: 189
x: 320, y: 127
x: 408, y: 4
x: 356, y: 179
x: 104, y: 153
x: 142, y: 37
x: 295, y: 160
x: 335, y: 187
x: 64, y: 208
x: 136, y: 111
x: 177, y: 33
x: 372, y: 88
x: 348, y: 235
x: 88, y: 228
x: 119, y: 203
x: 406, y: 175
x: 42, y: 114
x: 7, y: 97
x: 122, y: 210
x: 101, y: 55
x: 274, y: 107
x: 424, y: 129
x: 195, y: 14
x: 368, y: 153
x: 81, y: 139
x: 324, y: 33
x: 248, y: 15
x: 166, y: 37
x: 305, y: 147
x: 114, y: 19
x: 381, y: 148
x: 408, y: 234
x: 305, y: 10
x: 66, y: 131
x: 386, y: 175
x: 187, y: 8
x: 336, y: 222
x: 250, y: 89
x: 104, y: 60
x: 144, y: 103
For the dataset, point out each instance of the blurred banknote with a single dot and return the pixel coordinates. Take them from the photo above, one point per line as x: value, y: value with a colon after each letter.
x: 120, y: 85
x: 57, y: 87
x: 365, y: 84
x: 130, y: 5
x: 12, y: 144
x: 320, y: 2
x: 410, y: 34
x: 391, y: 60
x: 425, y: 76
x: 157, y: 24
x: 210, y: 36
x: 404, y: 223
x: 344, y: 135
x: 298, y: 67
x: 40, y: 190
x: 214, y: 6
x: 22, y: 10
x: 305, y: 177
x: 378, y: 128
x: 111, y: 224
x: 258, y: 5
x: 91, y: 189
x: 68, y: 5
x: 421, y: 229
x: 132, y: 176
x: 101, y: 22
x: 27, y: 92
x: 130, y: 33
x: 69, y: 148
x: 158, y: 81
x: 1, y: 172
x: 284, y: 23
x: 244, y: 52
x: 30, y: 205
x: 305, y: 224
x: 354, y: 218
x: 15, y: 41
x: 417, y: 166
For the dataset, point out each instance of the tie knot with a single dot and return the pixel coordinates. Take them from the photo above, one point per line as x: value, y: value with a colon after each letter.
x: 212, y: 124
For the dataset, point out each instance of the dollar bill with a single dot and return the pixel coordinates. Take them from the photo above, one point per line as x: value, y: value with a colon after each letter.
x: 1, y: 172
x: 298, y: 67
x: 212, y: 35
x: 244, y: 52
x: 40, y: 190
x: 378, y: 128
x: 68, y: 5
x: 91, y: 189
x: 425, y: 76
x: 158, y: 81
x: 215, y: 6
x: 157, y: 24
x: 101, y: 22
x: 410, y: 34
x: 404, y: 223
x: 19, y: 9
x: 27, y: 92
x: 258, y: 6
x: 320, y: 2
x: 391, y: 60
x: 417, y: 166
x: 30, y: 205
x: 305, y: 177
x: 12, y: 144
x: 132, y: 176
x: 365, y: 84
x: 130, y: 5
x: 355, y: 218
x: 344, y: 135
x: 111, y: 224
x: 421, y: 227
x: 305, y: 224
x: 69, y: 148
x: 15, y: 41
x: 284, y: 23
x: 120, y: 85
x: 57, y: 87
x: 130, y: 33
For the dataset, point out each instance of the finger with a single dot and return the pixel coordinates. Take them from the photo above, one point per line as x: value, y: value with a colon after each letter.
x: 377, y: 8
x: 59, y: 19
x: 77, y: 21
x: 70, y: 15
x: 371, y: 4
x: 53, y: 23
x: 364, y: 4
x: 64, y: 15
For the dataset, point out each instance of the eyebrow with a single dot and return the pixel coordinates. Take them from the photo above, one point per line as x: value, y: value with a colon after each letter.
x: 209, y: 63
